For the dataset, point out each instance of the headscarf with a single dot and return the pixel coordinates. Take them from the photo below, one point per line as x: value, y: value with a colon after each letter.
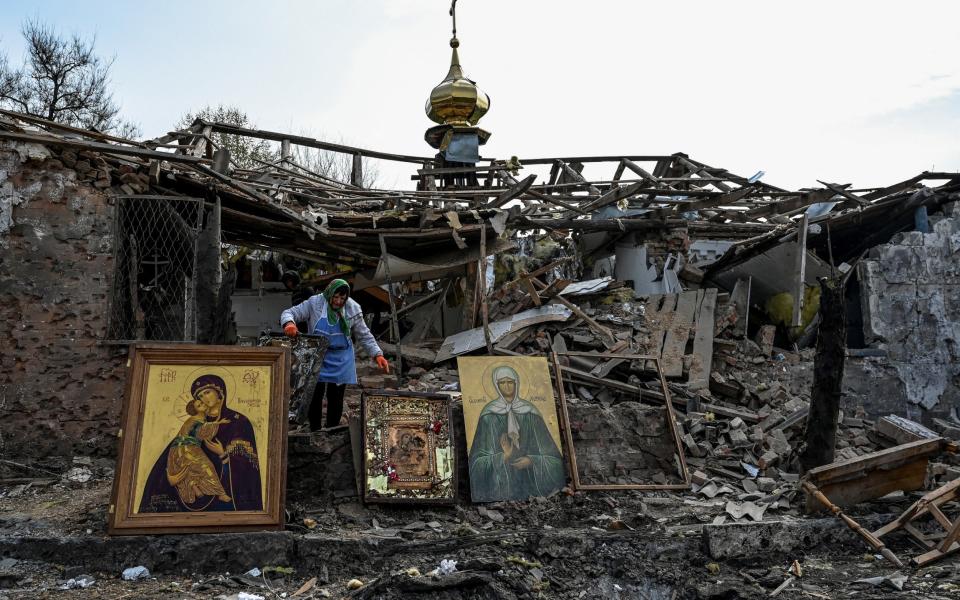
x: 208, y: 382
x: 513, y: 427
x: 328, y: 294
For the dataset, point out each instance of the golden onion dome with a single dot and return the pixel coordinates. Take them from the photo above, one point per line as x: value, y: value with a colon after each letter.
x: 457, y: 100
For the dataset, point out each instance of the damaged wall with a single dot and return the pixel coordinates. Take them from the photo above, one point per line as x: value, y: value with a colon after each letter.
x: 626, y: 444
x: 60, y: 390
x: 910, y: 297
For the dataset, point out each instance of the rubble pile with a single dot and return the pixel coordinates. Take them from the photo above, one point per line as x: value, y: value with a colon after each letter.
x: 679, y: 312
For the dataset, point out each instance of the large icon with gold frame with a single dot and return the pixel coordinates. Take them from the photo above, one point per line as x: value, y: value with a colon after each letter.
x: 513, y: 435
x: 409, y: 454
x: 202, y: 440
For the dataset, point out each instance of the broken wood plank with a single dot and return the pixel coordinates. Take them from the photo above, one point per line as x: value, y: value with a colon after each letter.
x: 659, y: 315
x: 902, y: 430
x: 730, y: 413
x: 703, y: 342
x: 800, y: 271
x: 842, y: 469
x: 871, y: 539
x: 531, y: 290
x: 740, y: 297
x: 678, y: 333
x: 876, y: 474
x: 413, y: 355
x: 603, y: 331
x: 514, y: 192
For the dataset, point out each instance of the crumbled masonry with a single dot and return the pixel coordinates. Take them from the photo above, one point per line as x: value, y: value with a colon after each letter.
x: 664, y: 266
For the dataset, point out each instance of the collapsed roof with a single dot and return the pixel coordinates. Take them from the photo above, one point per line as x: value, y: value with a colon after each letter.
x: 282, y: 205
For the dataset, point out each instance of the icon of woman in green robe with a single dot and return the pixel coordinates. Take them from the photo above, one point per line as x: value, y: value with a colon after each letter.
x: 513, y: 456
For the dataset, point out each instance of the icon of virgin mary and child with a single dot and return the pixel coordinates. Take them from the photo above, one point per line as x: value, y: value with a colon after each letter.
x: 513, y: 455
x: 211, y: 464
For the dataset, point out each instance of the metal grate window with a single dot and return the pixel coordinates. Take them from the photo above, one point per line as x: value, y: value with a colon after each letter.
x: 155, y: 262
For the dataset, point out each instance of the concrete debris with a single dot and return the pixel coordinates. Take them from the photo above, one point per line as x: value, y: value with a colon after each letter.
x: 682, y: 311
x: 78, y: 583
x: 895, y: 581
x: 738, y: 510
x: 140, y: 572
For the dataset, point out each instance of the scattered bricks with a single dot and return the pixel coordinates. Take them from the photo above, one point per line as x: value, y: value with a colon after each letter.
x: 765, y: 338
x: 766, y: 484
x: 738, y: 439
x: 699, y: 478
x: 692, y: 446
x: 946, y: 429
x: 736, y: 423
x: 378, y: 382
x: 777, y: 442
x: 768, y: 459
x: 756, y: 434
x: 751, y: 348
x: 774, y: 392
x: 772, y: 420
x: 846, y: 454
x: 749, y: 486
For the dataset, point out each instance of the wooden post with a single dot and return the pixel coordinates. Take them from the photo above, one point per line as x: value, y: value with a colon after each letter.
x: 203, y: 147
x: 394, y: 324
x: 470, y: 299
x: 482, y: 286
x: 821, y: 434
x: 356, y: 175
x: 801, y: 267
x: 284, y: 163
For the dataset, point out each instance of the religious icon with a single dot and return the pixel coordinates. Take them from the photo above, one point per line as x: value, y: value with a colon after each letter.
x: 408, y: 448
x: 215, y: 450
x: 198, y: 439
x: 513, y: 438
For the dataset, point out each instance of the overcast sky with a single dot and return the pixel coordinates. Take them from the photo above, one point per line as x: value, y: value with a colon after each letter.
x: 862, y: 92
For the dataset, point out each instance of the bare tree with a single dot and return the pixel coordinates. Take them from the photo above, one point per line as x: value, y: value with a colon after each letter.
x: 246, y: 153
x: 62, y: 79
x: 334, y: 165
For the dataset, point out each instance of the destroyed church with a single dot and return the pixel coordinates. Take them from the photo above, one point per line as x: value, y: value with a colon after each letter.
x: 732, y: 284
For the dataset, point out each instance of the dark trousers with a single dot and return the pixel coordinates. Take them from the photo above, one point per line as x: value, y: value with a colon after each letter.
x: 334, y: 395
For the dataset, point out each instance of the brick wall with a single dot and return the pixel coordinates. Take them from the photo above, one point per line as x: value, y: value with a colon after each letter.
x: 60, y: 390
x: 627, y: 443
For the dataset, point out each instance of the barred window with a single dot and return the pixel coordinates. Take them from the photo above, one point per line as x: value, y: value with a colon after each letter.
x: 155, y: 264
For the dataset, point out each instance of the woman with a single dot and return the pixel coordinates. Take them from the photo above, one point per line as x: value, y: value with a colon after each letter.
x: 336, y: 316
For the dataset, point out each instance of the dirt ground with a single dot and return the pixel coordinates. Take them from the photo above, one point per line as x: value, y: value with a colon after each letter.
x: 608, y: 545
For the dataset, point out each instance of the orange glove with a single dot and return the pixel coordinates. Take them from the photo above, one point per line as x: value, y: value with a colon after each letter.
x: 383, y: 364
x: 290, y: 329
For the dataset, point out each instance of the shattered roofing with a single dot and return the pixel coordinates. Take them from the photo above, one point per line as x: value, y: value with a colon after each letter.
x: 284, y: 206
